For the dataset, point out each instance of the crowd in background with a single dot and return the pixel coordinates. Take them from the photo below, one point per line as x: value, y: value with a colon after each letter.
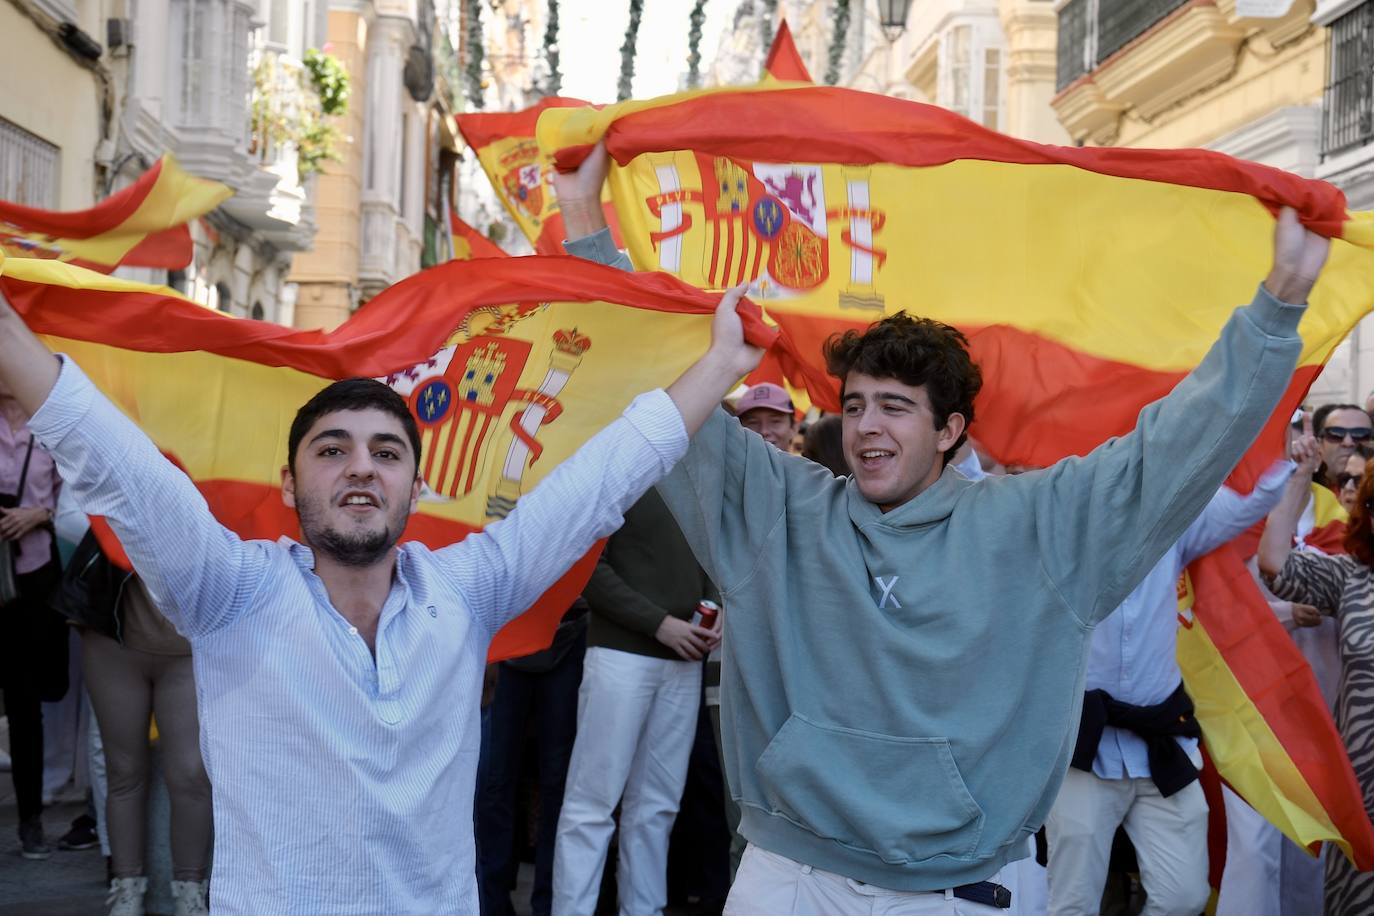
x: 598, y: 765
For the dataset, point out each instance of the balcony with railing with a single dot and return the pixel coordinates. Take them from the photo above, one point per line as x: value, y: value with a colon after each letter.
x: 1348, y: 100
x: 1090, y: 31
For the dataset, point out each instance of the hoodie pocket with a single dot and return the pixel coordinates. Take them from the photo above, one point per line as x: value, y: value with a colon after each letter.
x: 900, y: 799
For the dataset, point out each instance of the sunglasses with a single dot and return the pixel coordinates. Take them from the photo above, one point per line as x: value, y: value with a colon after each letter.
x: 1348, y: 480
x: 1339, y: 433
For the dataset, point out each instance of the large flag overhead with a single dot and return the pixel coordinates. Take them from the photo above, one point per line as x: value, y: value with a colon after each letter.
x: 784, y: 63
x: 505, y: 146
x: 144, y: 225
x: 508, y: 364
x: 1089, y: 282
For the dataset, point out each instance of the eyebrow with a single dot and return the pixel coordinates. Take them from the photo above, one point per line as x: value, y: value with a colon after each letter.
x: 881, y: 396
x: 377, y: 438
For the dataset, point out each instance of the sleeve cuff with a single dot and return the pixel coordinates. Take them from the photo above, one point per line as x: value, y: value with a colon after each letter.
x: 657, y: 418
x: 67, y: 403
x: 598, y: 247
x: 1274, y: 316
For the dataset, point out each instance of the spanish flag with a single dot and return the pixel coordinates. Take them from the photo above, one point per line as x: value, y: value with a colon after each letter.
x: 1327, y: 519
x: 784, y: 64
x: 505, y: 146
x: 144, y: 225
x: 508, y: 364
x: 466, y: 243
x: 1089, y: 282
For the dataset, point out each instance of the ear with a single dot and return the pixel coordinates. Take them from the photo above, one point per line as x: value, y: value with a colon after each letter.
x: 954, y: 428
x: 288, y: 487
x: 415, y: 493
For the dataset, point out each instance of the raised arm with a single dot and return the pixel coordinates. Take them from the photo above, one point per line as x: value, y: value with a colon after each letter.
x: 1103, y: 521
x: 1229, y: 514
x: 1277, y: 540
x: 201, y: 574
x: 502, y: 569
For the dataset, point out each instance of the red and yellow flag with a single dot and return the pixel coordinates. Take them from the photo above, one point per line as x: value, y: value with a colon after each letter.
x: 784, y: 64
x: 505, y: 146
x: 144, y: 225
x: 1089, y: 282
x: 466, y: 243
x: 509, y: 364
x: 1329, y: 521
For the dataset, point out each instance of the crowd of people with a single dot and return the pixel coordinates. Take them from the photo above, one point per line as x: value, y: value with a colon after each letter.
x: 931, y: 685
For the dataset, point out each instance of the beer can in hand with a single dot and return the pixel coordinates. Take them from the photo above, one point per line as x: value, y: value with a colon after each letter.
x: 707, y: 614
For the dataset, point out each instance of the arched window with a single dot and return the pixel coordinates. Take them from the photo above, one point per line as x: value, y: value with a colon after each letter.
x: 225, y: 298
x: 258, y: 313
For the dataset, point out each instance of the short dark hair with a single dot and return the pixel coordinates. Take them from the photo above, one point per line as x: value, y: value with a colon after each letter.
x: 916, y: 352
x: 352, y: 394
x: 1325, y: 411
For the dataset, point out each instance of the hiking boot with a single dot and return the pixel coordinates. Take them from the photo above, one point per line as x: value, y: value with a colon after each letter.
x: 126, y: 896
x: 189, y: 898
x: 82, y: 834
x: 31, y: 842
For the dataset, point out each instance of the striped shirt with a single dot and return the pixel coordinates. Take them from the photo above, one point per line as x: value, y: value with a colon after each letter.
x: 341, y: 785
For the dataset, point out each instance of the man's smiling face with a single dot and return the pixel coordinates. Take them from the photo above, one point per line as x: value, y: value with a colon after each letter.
x: 890, y: 438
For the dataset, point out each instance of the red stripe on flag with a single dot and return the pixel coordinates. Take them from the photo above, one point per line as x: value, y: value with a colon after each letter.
x: 784, y: 63
x: 88, y: 223
x: 1277, y: 679
x: 859, y: 128
x: 367, y: 344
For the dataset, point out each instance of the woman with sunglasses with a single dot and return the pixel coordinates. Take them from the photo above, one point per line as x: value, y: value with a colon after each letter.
x: 1348, y: 481
x: 1341, y: 586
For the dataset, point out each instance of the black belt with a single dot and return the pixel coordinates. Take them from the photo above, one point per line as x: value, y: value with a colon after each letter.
x: 986, y: 893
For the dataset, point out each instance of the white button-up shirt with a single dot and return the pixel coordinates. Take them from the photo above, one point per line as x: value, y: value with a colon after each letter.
x: 1133, y: 654
x: 342, y: 785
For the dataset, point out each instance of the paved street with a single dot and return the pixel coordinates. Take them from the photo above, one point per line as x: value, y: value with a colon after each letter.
x: 68, y: 884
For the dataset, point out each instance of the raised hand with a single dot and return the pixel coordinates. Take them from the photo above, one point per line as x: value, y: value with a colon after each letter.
x: 579, y: 193
x: 1299, y: 255
x: 1304, y: 450
x: 727, y: 336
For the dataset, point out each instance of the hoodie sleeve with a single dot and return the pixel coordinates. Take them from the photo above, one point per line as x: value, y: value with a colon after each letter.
x: 1104, y: 520
x: 730, y: 493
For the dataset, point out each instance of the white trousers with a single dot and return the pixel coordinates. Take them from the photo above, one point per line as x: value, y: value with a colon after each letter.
x: 775, y: 885
x: 1169, y: 834
x: 636, y: 720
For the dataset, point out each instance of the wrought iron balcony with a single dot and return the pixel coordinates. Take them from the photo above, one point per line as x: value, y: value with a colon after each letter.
x: 1348, y: 102
x: 1090, y: 31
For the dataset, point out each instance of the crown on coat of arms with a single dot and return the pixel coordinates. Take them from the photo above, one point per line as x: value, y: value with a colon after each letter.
x: 571, y: 342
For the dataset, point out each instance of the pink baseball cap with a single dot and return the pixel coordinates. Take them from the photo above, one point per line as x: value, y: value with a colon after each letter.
x: 765, y: 396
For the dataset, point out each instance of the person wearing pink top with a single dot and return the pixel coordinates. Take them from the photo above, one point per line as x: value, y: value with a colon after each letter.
x: 33, y: 638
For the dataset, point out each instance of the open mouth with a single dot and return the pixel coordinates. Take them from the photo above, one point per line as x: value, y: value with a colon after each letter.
x: 873, y: 458
x: 357, y: 500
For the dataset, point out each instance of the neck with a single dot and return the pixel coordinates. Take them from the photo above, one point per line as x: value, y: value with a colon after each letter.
x: 358, y: 592
x: 12, y: 413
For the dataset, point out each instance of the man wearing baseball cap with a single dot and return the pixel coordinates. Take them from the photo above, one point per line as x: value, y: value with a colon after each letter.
x: 767, y: 409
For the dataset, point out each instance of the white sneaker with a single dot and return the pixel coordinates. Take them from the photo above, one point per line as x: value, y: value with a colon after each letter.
x: 126, y: 896
x: 189, y: 898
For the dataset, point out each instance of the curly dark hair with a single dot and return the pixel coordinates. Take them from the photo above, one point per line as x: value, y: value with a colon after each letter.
x: 1359, y: 532
x: 916, y: 352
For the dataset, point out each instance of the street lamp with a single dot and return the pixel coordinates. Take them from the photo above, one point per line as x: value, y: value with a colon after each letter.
x: 892, y: 14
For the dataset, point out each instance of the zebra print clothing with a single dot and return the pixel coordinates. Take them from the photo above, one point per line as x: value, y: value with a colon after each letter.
x: 1344, y: 587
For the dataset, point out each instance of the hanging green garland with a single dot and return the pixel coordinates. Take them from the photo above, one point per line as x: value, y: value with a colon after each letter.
x: 476, y: 48
x: 696, y: 19
x: 627, y: 51
x: 555, y: 83
x: 770, y: 13
x: 837, y: 41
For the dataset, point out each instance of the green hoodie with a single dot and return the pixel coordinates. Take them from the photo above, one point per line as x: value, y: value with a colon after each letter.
x: 901, y: 691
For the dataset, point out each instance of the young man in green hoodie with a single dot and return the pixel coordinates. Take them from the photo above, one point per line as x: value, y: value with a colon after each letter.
x: 905, y: 651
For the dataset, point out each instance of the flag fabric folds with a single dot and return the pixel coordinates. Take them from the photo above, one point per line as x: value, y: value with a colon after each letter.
x: 508, y: 364
x: 465, y: 242
x: 1088, y: 281
x: 783, y: 63
x: 144, y: 225
x: 505, y: 146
